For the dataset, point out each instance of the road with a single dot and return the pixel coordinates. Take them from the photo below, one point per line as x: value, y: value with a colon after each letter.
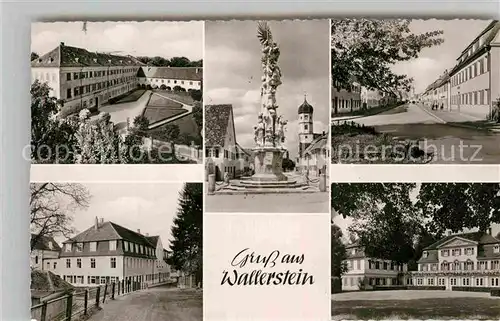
x: 450, y: 144
x: 154, y: 304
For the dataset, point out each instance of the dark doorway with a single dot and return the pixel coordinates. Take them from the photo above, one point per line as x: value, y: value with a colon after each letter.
x: 336, y: 105
x: 97, y: 103
x: 218, y: 176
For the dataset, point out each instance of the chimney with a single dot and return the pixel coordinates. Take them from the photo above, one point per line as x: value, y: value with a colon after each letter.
x: 139, y: 231
x: 489, y: 231
x: 96, y: 225
x: 449, y: 233
x: 102, y: 220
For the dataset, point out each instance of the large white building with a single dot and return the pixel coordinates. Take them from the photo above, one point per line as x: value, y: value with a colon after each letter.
x: 107, y: 252
x: 465, y: 260
x: 473, y: 86
x: 84, y: 79
x: 367, y: 272
x: 345, y: 100
x: 168, y: 78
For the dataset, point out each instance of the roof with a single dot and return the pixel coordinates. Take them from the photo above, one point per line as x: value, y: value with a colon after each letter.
x: 107, y: 231
x: 181, y: 73
x: 320, y: 141
x: 216, y: 122
x: 305, y: 108
x: 44, y: 282
x: 492, y: 30
x: 480, y: 237
x: 42, y: 243
x: 153, y: 239
x: 68, y: 56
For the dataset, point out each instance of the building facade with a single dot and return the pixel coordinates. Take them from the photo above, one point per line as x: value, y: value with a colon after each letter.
x: 370, y: 98
x: 462, y: 260
x: 366, y: 272
x: 473, y: 86
x: 168, y: 78
x: 108, y: 252
x: 45, y: 252
x: 82, y: 79
x: 346, y: 100
x: 222, y: 152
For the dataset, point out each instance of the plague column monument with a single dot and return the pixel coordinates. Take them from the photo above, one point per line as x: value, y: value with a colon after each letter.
x: 269, y: 133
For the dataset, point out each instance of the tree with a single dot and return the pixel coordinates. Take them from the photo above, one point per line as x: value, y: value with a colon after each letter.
x: 196, y: 94
x: 365, y: 49
x: 34, y: 56
x: 198, y: 115
x: 338, y: 253
x: 52, y: 136
x: 180, y: 62
x: 287, y: 164
x: 187, y: 243
x: 50, y: 207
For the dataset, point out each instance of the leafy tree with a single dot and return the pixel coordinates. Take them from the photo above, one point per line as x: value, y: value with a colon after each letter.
x: 52, y: 137
x: 187, y: 244
x: 50, y: 207
x: 287, y: 164
x: 180, y: 62
x: 196, y: 94
x: 159, y: 61
x: 365, y: 49
x: 197, y: 63
x: 198, y: 115
x: 338, y: 252
x: 34, y: 56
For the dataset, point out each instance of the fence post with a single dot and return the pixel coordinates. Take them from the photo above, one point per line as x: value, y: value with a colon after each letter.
x: 211, y: 183
x: 85, y: 302
x: 44, y: 311
x: 105, y: 290
x: 97, y: 296
x: 322, y: 182
x: 113, y: 291
x: 123, y: 286
x: 69, y: 307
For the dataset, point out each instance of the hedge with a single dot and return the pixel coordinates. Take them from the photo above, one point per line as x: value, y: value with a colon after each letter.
x: 427, y: 287
x: 495, y: 292
x: 336, y: 285
x: 470, y: 288
x: 389, y: 288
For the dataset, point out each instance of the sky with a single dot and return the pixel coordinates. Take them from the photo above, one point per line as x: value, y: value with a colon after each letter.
x: 150, y: 207
x: 233, y: 71
x: 151, y: 38
x: 432, y: 62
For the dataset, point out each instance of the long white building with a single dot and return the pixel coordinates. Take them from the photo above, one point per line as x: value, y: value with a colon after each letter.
x: 107, y: 252
x: 369, y: 272
x: 168, y: 78
x: 467, y: 259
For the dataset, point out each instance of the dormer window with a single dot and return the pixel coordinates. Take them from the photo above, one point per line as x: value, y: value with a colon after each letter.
x: 79, y: 247
x: 426, y: 254
x: 68, y: 247
x: 93, y: 246
x: 51, y: 246
x: 496, y: 249
x: 77, y: 59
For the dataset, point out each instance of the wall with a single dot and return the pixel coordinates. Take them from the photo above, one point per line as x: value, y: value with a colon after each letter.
x: 50, y: 75
x: 102, y: 267
x: 186, y: 84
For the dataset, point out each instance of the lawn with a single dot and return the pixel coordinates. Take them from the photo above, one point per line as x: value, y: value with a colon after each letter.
x: 160, y: 108
x: 372, y: 111
x: 482, y: 124
x: 183, y: 97
x: 187, y: 126
x: 477, y: 308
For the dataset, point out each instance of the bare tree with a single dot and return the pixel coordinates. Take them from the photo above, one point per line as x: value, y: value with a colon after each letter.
x: 51, y: 205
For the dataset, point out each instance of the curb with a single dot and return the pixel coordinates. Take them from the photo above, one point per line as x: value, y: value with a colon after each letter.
x: 361, y: 116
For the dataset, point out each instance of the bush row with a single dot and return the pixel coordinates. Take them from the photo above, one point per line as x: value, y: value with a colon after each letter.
x: 427, y: 287
x: 495, y: 292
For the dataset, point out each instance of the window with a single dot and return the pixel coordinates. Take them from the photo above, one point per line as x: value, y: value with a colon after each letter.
x: 216, y: 153
x: 457, y: 252
x: 113, y: 263
x: 79, y: 247
x: 453, y: 281
x: 68, y: 247
x: 420, y: 281
x: 68, y: 76
x: 306, y: 127
x: 430, y: 281
x: 55, y: 265
x: 112, y: 245
x: 68, y: 263
x: 496, y: 249
x: 445, y: 252
x: 103, y: 280
x: 92, y: 263
x: 79, y: 263
x: 68, y: 93
x: 93, y: 246
x: 479, y: 282
x: 426, y: 254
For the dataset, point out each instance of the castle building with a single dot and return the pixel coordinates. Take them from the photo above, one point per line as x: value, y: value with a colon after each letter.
x: 367, y: 272
x: 83, y: 79
x: 462, y: 260
x: 313, y: 156
x: 107, y: 252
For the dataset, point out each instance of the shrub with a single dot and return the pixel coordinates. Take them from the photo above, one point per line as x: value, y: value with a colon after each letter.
x: 336, y: 285
x: 495, y: 292
x: 427, y: 287
x: 470, y: 289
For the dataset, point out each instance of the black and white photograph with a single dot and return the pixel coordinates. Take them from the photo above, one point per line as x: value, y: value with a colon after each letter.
x: 411, y: 91
x: 267, y: 103
x: 116, y: 93
x: 116, y: 251
x: 415, y: 251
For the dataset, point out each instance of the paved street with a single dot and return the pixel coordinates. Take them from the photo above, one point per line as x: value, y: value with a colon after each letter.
x: 451, y: 144
x: 155, y: 304
x: 269, y: 203
x: 120, y: 112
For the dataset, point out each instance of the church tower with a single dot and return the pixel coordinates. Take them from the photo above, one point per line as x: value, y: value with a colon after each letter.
x: 306, y: 133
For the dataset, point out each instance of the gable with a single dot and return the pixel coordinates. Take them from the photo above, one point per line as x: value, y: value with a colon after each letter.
x: 230, y: 133
x: 457, y: 242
